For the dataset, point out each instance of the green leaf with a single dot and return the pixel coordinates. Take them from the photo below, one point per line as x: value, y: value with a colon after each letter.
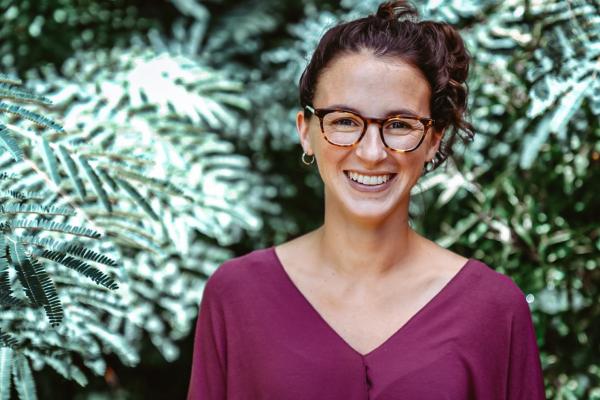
x: 54, y: 309
x: 533, y: 142
x: 35, y: 209
x: 21, y: 94
x: 80, y: 266
x: 55, y: 226
x: 31, y: 116
x: 10, y: 144
x: 6, y: 297
x: 95, y: 182
x: 50, y: 160
x: 163, y: 185
x: 22, y: 195
x: 7, y: 341
x: 23, y: 378
x: 138, y: 198
x: 68, y: 247
x: 459, y: 230
x: 27, y: 274
x: 6, y: 356
x: 71, y: 169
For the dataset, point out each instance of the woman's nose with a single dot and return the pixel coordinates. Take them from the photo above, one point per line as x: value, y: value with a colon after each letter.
x: 371, y: 149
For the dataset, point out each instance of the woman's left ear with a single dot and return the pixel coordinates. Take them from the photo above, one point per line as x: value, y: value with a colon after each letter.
x: 434, y: 145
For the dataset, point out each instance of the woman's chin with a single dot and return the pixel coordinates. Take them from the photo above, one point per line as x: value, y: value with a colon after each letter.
x: 372, y: 208
x: 374, y: 213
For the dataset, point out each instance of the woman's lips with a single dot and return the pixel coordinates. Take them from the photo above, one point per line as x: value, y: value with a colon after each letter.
x: 370, y: 188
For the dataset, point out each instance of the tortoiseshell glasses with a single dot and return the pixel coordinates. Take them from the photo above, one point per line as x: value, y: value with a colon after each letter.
x: 400, y: 133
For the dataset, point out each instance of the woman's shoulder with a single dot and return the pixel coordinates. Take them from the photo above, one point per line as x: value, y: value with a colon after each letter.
x: 493, y: 287
x: 483, y: 282
x: 242, y: 270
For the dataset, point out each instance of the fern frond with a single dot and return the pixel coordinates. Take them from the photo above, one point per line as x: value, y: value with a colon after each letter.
x: 54, y: 226
x: 4, y: 282
x: 38, y: 286
x: 23, y: 378
x: 110, y: 181
x: 131, y: 233
x: 54, y: 309
x: 19, y: 195
x: 95, y: 182
x: 10, y: 144
x: 31, y: 116
x: 6, y: 175
x: 233, y: 100
x: 10, y: 301
x: 163, y: 185
x: 6, y: 356
x: 127, y: 238
x: 115, y: 342
x: 61, y: 363
x: 50, y: 341
x: 21, y: 94
x: 137, y: 197
x: 68, y: 247
x: 49, y: 160
x: 35, y: 209
x: 82, y: 267
x: 6, y: 341
x: 71, y: 169
x: 98, y: 298
x: 6, y: 297
x: 27, y: 274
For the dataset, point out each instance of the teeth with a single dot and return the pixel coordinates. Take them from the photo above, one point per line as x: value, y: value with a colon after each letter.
x: 368, y: 179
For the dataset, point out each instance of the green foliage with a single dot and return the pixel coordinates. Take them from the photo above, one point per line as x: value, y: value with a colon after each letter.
x: 144, y: 159
x: 72, y: 25
x: 141, y: 158
x: 22, y: 271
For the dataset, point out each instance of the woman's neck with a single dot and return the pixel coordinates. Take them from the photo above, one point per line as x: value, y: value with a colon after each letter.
x: 367, y: 250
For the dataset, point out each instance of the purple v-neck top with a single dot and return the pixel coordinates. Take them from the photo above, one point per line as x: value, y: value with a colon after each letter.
x: 258, y: 337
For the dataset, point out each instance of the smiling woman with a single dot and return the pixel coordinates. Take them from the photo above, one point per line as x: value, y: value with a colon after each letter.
x: 364, y: 307
x: 361, y: 82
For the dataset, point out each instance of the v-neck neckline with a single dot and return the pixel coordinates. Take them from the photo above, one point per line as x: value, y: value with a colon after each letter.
x: 411, y: 321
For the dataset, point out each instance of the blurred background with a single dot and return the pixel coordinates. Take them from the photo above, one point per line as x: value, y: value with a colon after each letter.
x: 142, y: 143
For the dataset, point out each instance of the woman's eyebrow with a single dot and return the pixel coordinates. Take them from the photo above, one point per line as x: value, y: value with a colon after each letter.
x: 398, y: 111
x: 402, y: 111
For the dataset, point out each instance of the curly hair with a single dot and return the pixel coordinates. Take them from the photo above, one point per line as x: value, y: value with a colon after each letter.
x: 436, y: 48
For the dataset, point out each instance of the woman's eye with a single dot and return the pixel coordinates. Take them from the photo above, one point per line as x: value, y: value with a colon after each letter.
x: 399, y: 125
x: 345, y: 122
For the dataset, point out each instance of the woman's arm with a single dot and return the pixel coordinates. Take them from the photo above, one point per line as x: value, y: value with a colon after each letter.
x: 525, y: 379
x: 208, y: 378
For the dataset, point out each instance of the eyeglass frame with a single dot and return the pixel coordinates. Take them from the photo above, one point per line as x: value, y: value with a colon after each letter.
x: 322, y: 112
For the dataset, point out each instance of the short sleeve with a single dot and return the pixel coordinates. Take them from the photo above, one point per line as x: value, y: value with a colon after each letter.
x: 525, y: 379
x: 208, y: 377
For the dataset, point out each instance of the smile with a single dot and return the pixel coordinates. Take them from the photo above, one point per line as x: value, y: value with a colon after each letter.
x: 373, y: 181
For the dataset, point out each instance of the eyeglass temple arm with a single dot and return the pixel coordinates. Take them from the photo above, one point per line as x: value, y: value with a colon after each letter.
x: 309, y: 108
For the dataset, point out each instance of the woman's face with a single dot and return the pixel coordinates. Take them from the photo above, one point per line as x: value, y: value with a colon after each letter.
x: 375, y: 87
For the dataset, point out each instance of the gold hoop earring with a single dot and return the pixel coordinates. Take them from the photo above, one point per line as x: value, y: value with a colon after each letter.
x: 308, y: 162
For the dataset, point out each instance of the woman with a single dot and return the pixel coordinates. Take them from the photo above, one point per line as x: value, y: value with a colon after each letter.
x: 364, y: 307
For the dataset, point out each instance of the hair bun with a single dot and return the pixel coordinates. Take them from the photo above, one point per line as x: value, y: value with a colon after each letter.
x: 397, y: 11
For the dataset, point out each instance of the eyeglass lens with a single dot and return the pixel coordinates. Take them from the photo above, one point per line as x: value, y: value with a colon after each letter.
x: 345, y: 128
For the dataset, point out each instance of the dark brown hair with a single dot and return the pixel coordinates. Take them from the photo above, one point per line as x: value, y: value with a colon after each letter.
x: 436, y: 48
